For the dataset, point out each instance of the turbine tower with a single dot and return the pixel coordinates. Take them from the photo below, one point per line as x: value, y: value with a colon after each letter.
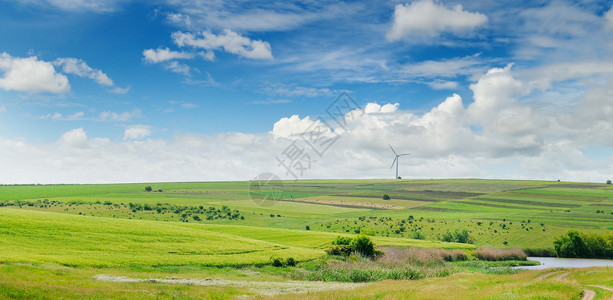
x: 396, y: 159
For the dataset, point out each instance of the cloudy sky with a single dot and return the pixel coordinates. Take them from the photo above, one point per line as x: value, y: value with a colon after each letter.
x: 134, y: 91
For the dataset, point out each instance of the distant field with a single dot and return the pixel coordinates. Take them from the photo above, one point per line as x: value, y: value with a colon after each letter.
x: 501, y: 213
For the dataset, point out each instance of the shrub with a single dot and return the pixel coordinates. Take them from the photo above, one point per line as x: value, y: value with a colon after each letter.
x: 342, y: 240
x: 418, y: 235
x: 361, y: 245
x: 290, y: 262
x: 276, y: 261
x: 386, y: 197
x: 148, y: 189
x: 493, y: 254
x: 585, y: 245
x: 458, y: 236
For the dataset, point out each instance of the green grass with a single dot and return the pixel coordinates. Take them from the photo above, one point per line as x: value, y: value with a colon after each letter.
x: 337, y: 205
x: 80, y: 240
x: 68, y: 234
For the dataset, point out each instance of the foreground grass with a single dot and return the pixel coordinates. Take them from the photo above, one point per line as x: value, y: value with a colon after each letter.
x: 52, y: 281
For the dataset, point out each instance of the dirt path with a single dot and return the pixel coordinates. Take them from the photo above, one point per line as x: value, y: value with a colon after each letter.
x: 267, y: 288
x: 543, y: 276
x: 604, y: 288
x: 588, y: 294
x: 561, y: 276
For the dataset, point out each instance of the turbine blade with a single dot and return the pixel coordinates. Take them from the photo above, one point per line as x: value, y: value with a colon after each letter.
x: 395, y: 159
x: 404, y: 154
x: 393, y: 150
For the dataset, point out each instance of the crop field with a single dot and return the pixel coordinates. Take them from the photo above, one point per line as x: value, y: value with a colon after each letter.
x: 73, y: 233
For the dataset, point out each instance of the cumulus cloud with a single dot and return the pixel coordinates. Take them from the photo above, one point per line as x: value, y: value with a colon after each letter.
x: 229, y: 41
x: 76, y: 138
x: 161, y: 55
x: 371, y: 108
x: 426, y: 18
x: 135, y: 132
x: 293, y: 126
x: 31, y: 75
x: 80, y: 68
x: 496, y: 134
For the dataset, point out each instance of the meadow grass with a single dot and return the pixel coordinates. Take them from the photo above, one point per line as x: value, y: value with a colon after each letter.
x: 91, y: 229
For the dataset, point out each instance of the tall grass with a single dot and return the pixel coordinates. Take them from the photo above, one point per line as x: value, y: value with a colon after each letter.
x: 396, y: 256
x: 395, y: 264
x: 493, y: 254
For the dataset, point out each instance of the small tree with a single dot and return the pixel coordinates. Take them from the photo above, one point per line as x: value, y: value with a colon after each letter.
x: 386, y: 197
x: 608, y: 181
x: 363, y: 245
x: 148, y: 188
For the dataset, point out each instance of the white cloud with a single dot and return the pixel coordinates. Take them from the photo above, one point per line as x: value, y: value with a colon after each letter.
x: 189, y: 105
x: 287, y: 91
x: 99, y: 6
x: 271, y: 101
x: 119, y: 117
x: 261, y: 16
x: 371, y: 108
x: 59, y: 117
x: 294, y: 126
x: 229, y: 40
x: 76, y: 138
x: 80, y: 68
x: 443, y: 85
x: 179, y: 68
x: 468, y: 65
x: 135, y: 132
x: 119, y: 90
x: 609, y: 19
x: 161, y: 55
x: 424, y: 17
x: 2, y: 108
x: 497, y: 134
x: 31, y: 75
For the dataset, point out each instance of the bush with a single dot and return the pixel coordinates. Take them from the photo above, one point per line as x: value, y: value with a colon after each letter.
x: 361, y: 245
x: 418, y: 235
x: 584, y: 245
x: 342, y: 240
x: 386, y: 197
x: 493, y: 254
x: 276, y: 261
x: 458, y: 236
x: 148, y: 189
x: 291, y: 262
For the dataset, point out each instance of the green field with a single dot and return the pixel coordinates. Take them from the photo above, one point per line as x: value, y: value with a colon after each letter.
x: 74, y: 232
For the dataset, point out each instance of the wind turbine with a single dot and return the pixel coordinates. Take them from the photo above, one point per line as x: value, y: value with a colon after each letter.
x: 396, y: 159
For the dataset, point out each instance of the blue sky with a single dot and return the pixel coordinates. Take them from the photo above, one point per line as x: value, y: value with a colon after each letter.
x: 124, y: 91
